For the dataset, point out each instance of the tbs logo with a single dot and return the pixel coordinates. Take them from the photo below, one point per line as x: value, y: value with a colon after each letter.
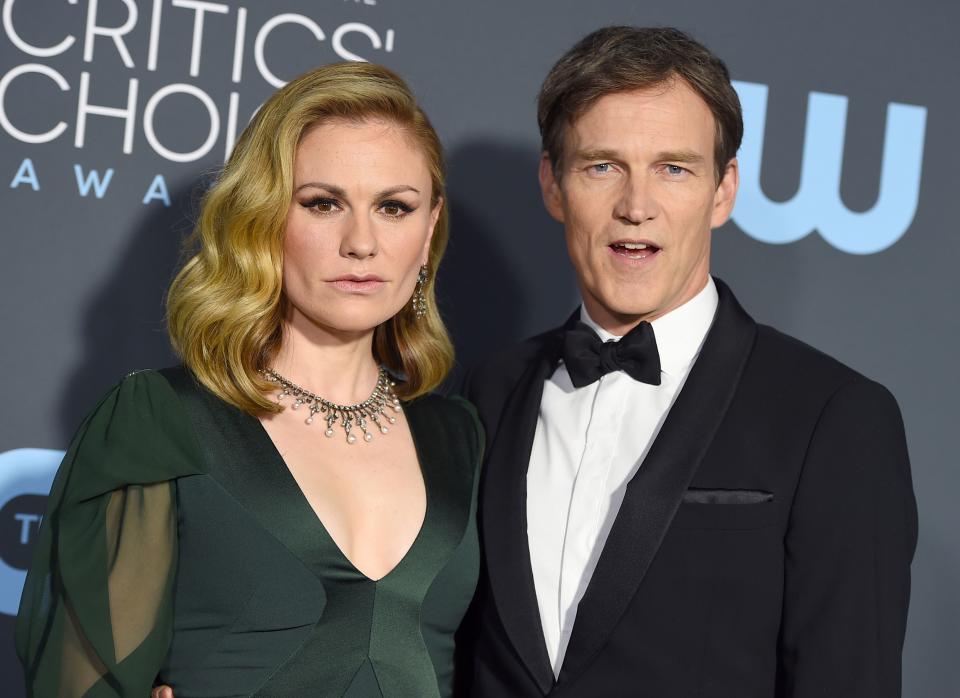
x: 25, y: 478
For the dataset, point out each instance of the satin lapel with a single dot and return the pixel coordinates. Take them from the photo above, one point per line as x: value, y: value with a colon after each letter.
x: 504, y: 521
x: 655, y: 492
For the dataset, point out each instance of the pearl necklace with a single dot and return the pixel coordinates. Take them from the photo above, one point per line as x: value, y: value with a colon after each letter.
x: 373, y: 409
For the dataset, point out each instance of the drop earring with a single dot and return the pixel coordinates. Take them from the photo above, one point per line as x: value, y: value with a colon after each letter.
x: 419, y: 299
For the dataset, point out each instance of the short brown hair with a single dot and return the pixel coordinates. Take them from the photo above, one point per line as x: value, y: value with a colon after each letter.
x: 225, y: 307
x: 619, y: 59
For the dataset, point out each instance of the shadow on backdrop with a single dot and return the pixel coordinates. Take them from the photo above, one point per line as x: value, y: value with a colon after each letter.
x: 506, y: 274
x: 123, y: 327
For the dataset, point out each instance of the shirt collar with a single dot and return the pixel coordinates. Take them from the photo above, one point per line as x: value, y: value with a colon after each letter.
x: 680, y: 333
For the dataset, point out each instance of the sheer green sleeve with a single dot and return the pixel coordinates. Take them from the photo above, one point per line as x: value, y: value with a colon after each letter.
x: 96, y: 612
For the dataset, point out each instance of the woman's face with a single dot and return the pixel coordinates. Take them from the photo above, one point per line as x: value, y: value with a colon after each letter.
x: 358, y: 227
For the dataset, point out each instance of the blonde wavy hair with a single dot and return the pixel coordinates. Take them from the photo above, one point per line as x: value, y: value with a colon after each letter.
x: 226, y: 305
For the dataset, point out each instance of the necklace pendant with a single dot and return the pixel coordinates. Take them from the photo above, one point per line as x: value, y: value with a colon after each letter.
x: 351, y: 438
x: 331, y: 418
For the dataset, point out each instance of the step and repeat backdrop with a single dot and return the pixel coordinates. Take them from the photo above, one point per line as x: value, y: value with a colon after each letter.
x: 116, y: 114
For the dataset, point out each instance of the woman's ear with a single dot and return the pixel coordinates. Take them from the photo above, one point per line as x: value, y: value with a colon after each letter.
x: 434, y: 217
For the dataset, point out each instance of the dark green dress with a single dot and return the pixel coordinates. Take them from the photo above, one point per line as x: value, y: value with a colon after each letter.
x: 178, y: 548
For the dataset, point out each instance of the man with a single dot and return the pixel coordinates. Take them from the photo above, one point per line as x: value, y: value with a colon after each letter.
x: 705, y: 507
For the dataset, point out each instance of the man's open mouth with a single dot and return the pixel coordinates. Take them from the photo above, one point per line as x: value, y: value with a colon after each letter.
x: 634, y: 250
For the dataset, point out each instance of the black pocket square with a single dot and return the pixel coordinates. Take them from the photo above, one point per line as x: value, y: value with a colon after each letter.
x: 704, y: 496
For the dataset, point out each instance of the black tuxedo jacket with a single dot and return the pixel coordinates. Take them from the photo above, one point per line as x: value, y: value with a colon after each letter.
x: 762, y: 549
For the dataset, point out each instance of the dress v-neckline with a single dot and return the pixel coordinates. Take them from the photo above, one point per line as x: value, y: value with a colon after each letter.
x: 317, y: 522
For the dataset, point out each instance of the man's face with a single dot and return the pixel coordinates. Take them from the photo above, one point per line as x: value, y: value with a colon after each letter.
x: 638, y: 197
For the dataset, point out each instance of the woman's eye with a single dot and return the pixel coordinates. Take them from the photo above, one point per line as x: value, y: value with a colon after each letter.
x: 395, y: 209
x: 322, y: 205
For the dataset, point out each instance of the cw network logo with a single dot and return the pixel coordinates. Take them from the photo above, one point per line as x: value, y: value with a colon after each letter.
x: 817, y: 204
x: 25, y: 478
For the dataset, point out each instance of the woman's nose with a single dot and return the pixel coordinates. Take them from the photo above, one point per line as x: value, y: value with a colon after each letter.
x: 359, y: 239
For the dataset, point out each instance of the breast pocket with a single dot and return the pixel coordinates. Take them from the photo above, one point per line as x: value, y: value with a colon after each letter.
x: 728, y: 515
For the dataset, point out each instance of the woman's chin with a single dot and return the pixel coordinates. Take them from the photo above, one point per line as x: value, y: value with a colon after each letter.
x: 348, y: 322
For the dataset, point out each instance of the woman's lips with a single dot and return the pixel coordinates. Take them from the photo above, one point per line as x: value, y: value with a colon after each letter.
x: 360, y: 285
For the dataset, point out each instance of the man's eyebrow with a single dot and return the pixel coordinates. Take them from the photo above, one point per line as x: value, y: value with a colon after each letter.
x: 340, y: 192
x: 689, y: 157
x: 597, y: 154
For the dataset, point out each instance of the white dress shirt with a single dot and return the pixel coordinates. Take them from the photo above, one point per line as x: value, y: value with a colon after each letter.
x: 589, y: 443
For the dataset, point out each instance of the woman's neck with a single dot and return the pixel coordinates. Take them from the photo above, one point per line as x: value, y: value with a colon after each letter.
x: 338, y: 366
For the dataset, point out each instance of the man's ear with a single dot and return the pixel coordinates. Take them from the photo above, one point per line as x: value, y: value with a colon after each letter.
x: 550, y: 188
x: 726, y: 195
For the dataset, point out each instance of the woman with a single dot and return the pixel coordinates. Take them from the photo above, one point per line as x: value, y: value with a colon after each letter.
x: 278, y: 517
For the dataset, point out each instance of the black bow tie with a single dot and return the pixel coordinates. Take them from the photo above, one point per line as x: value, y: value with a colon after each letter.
x: 587, y: 358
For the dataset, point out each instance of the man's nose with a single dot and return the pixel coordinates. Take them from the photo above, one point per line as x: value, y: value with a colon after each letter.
x: 637, y: 202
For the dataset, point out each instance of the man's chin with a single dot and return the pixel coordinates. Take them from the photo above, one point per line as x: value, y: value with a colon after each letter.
x: 621, y: 313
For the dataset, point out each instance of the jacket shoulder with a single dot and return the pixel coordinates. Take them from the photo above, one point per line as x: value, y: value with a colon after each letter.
x: 798, y: 354
x: 494, y: 376
x: 803, y: 368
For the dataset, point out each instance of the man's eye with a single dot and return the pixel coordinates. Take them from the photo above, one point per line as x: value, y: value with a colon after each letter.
x: 601, y: 167
x: 675, y: 170
x: 395, y: 209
